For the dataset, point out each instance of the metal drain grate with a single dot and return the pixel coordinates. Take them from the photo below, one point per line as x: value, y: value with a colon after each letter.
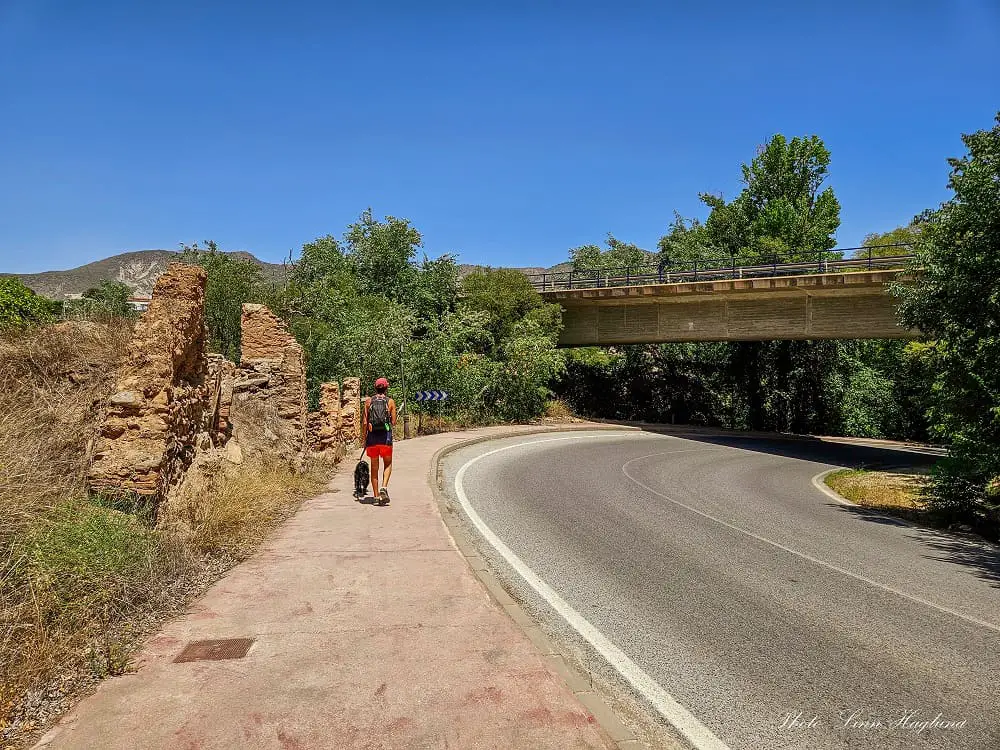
x: 225, y: 648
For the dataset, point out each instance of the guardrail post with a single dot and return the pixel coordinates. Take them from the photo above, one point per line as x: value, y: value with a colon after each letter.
x: 869, y: 258
x: 570, y: 279
x: 696, y: 269
x: 628, y: 277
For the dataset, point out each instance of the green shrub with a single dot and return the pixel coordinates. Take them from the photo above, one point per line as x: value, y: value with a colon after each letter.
x: 90, y: 563
x: 19, y: 306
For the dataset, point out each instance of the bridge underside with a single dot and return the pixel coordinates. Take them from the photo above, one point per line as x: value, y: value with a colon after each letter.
x: 818, y: 306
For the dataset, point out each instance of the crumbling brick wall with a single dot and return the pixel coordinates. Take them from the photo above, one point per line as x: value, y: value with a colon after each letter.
x: 350, y: 416
x: 269, y: 390
x: 327, y: 419
x: 158, y: 413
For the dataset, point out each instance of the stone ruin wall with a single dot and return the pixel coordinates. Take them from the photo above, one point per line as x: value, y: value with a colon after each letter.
x: 350, y: 412
x: 269, y: 390
x: 177, y: 400
x: 156, y: 418
x: 325, y: 434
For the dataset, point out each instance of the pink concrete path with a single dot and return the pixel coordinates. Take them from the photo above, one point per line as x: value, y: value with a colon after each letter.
x: 371, y: 632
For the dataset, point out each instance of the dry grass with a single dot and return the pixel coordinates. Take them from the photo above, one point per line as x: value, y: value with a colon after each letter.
x: 247, y: 502
x: 558, y: 409
x: 898, y: 493
x: 83, y: 580
x: 53, y: 380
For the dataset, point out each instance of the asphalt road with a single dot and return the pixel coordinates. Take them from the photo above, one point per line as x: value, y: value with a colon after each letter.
x: 756, y: 601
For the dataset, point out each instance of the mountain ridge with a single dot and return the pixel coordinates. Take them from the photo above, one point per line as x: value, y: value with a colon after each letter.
x: 139, y: 269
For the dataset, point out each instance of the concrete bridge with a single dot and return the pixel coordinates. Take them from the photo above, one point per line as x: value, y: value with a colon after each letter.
x: 816, y: 305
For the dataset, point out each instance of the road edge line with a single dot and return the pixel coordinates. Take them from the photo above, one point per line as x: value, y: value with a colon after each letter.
x: 678, y: 717
x: 578, y: 682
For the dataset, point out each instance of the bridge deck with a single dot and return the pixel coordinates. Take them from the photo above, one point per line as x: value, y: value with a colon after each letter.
x: 811, y: 306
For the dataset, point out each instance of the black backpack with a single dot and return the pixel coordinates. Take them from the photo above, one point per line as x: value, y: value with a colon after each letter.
x: 378, y: 414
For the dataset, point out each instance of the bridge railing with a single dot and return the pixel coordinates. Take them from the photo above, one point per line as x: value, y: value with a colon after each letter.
x: 728, y: 267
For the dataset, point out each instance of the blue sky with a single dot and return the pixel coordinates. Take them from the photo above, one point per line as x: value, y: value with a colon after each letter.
x: 507, y: 132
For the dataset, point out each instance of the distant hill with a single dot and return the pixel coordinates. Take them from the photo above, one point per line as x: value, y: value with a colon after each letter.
x: 464, y: 269
x: 138, y: 269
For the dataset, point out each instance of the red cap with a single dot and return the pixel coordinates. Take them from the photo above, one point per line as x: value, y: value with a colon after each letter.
x: 381, y: 383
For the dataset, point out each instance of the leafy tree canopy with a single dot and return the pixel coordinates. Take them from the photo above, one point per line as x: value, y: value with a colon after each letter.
x: 781, y: 208
x: 380, y: 254
x: 686, y: 241
x: 109, y: 299
x: 957, y: 302
x: 19, y: 306
x: 504, y: 294
x: 617, y: 255
x: 232, y: 280
x: 880, y: 243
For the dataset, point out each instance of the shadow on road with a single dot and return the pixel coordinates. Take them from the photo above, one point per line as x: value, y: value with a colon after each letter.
x: 982, y: 556
x: 967, y: 550
x: 849, y: 455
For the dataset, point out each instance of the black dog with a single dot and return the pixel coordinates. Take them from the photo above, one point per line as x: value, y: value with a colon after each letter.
x: 361, y: 477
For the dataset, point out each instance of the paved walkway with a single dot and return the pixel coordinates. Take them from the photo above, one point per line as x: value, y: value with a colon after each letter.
x: 371, y: 632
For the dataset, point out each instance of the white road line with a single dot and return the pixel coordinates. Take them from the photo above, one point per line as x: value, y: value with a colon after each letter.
x: 810, y: 558
x: 700, y: 736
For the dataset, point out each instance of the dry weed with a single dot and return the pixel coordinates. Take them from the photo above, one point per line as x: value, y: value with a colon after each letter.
x: 895, y: 492
x: 557, y: 409
x: 240, y: 505
x: 53, y: 380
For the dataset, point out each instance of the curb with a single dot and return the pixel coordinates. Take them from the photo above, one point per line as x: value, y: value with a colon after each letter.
x: 819, y: 482
x: 579, y: 682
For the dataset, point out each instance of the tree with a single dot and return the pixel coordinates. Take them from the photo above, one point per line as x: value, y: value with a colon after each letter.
x: 435, y: 290
x: 232, y: 280
x: 956, y: 301
x: 381, y: 255
x: 686, y: 241
x: 504, y: 294
x: 781, y: 209
x: 881, y: 245
x: 365, y: 306
x: 619, y: 255
x: 783, y: 385
x: 109, y: 299
x: 19, y: 306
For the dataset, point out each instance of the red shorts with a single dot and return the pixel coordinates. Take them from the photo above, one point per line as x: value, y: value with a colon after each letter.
x: 376, y: 451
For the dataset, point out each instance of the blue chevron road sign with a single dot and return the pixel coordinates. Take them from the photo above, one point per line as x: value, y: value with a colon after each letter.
x: 431, y: 396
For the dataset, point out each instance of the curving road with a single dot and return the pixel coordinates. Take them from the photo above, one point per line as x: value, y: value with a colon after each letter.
x: 772, y: 615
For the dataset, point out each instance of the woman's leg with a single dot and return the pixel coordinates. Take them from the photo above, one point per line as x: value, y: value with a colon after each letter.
x: 374, y: 473
x: 386, y: 470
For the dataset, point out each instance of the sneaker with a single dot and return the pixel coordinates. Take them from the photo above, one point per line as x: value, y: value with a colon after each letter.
x: 383, y: 496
